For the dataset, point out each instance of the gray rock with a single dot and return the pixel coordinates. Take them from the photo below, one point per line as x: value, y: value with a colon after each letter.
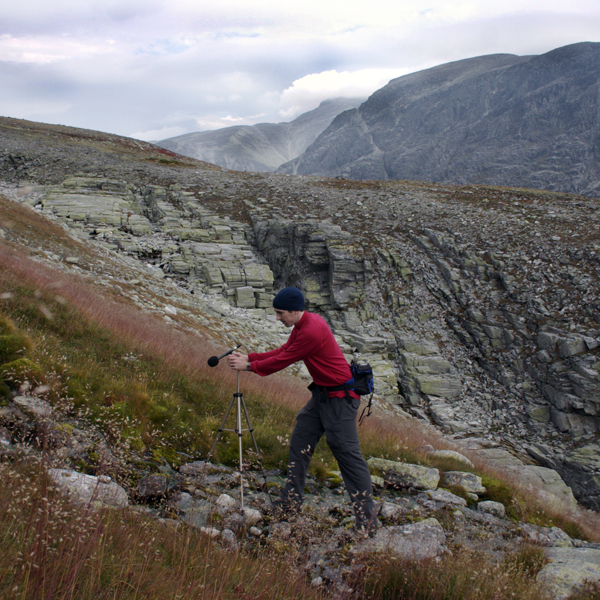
x: 580, y: 469
x: 211, y: 532
x: 197, y: 514
x: 90, y: 490
x: 229, y: 540
x: 550, y: 481
x: 546, y: 536
x: 492, y: 508
x: 469, y: 482
x: 34, y: 407
x: 5, y: 437
x: 225, y: 504
x: 571, y: 346
x: 251, y: 516
x: 568, y: 571
x: 433, y: 385
x: 451, y: 454
x: 406, y: 475
x: 391, y: 510
x: 418, y: 541
x: 152, y: 486
x: 446, y: 497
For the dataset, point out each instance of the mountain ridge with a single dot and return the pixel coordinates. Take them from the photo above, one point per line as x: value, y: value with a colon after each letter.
x: 261, y: 147
x: 496, y: 120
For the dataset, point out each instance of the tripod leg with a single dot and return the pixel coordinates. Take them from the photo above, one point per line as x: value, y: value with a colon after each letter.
x: 221, y: 429
x: 240, y: 400
x: 258, y: 455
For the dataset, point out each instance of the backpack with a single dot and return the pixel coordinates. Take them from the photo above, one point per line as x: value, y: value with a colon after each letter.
x: 363, y: 385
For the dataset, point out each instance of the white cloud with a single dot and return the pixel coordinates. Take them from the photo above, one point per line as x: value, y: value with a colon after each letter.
x: 154, y: 135
x: 165, y: 67
x: 48, y: 49
x: 309, y: 91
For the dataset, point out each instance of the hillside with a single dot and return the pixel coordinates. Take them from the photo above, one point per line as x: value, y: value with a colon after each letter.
x: 125, y: 266
x: 520, y: 121
x: 261, y: 147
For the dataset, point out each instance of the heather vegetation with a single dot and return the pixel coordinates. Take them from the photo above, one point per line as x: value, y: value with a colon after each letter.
x: 144, y: 385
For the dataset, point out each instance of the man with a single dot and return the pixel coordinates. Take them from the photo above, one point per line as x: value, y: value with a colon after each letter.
x: 331, y: 410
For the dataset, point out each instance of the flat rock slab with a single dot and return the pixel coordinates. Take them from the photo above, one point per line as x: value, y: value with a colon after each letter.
x: 34, y: 407
x: 89, y: 489
x: 406, y: 475
x: 417, y: 541
x: 568, y: 569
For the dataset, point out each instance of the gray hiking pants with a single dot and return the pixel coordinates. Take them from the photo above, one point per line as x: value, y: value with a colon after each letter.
x: 336, y: 418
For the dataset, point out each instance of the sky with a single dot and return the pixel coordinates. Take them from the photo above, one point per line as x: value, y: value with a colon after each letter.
x: 153, y: 69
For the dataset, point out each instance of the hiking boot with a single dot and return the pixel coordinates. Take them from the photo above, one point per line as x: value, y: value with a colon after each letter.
x: 365, y: 531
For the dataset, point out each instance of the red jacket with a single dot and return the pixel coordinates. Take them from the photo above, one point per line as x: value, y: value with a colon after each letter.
x: 311, y: 340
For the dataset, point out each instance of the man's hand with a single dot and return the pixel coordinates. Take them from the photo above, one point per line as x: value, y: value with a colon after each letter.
x: 238, y: 361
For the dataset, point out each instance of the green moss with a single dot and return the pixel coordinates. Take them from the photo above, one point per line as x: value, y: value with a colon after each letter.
x: 65, y: 427
x: 13, y: 345
x: 334, y: 482
x: 319, y: 470
x: 6, y: 326
x: 168, y: 454
x: 499, y: 491
x: 20, y: 370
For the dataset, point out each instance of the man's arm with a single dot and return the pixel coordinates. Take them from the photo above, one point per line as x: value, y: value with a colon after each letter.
x: 298, y: 347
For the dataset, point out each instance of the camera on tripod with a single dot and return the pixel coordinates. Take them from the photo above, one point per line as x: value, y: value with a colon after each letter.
x: 238, y: 398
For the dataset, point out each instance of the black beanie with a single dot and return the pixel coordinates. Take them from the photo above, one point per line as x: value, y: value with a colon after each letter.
x: 289, y: 298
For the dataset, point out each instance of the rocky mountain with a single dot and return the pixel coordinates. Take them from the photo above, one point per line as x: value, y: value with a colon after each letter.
x: 520, y: 121
x: 477, y: 306
x: 261, y: 147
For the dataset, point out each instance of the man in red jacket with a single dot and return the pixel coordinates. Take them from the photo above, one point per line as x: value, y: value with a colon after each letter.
x: 331, y: 410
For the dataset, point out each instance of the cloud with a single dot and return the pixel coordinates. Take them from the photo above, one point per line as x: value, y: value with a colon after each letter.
x: 309, y: 91
x: 160, y: 68
x: 48, y: 49
x: 154, y: 135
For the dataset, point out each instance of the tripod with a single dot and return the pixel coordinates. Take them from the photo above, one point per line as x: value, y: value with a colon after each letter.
x: 238, y: 398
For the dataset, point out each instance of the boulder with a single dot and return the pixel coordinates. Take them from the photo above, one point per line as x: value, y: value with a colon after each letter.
x: 417, y: 541
x: 571, y: 346
x: 568, y: 571
x: 445, y: 497
x: 451, y: 454
x: 469, y: 482
x: 492, y: 508
x: 405, y: 475
x: 34, y: 407
x: 88, y: 489
x: 436, y: 385
x: 244, y: 297
x: 152, y: 486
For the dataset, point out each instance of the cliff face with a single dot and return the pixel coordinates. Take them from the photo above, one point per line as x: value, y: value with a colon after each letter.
x: 477, y: 306
x: 261, y: 147
x: 498, y: 120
